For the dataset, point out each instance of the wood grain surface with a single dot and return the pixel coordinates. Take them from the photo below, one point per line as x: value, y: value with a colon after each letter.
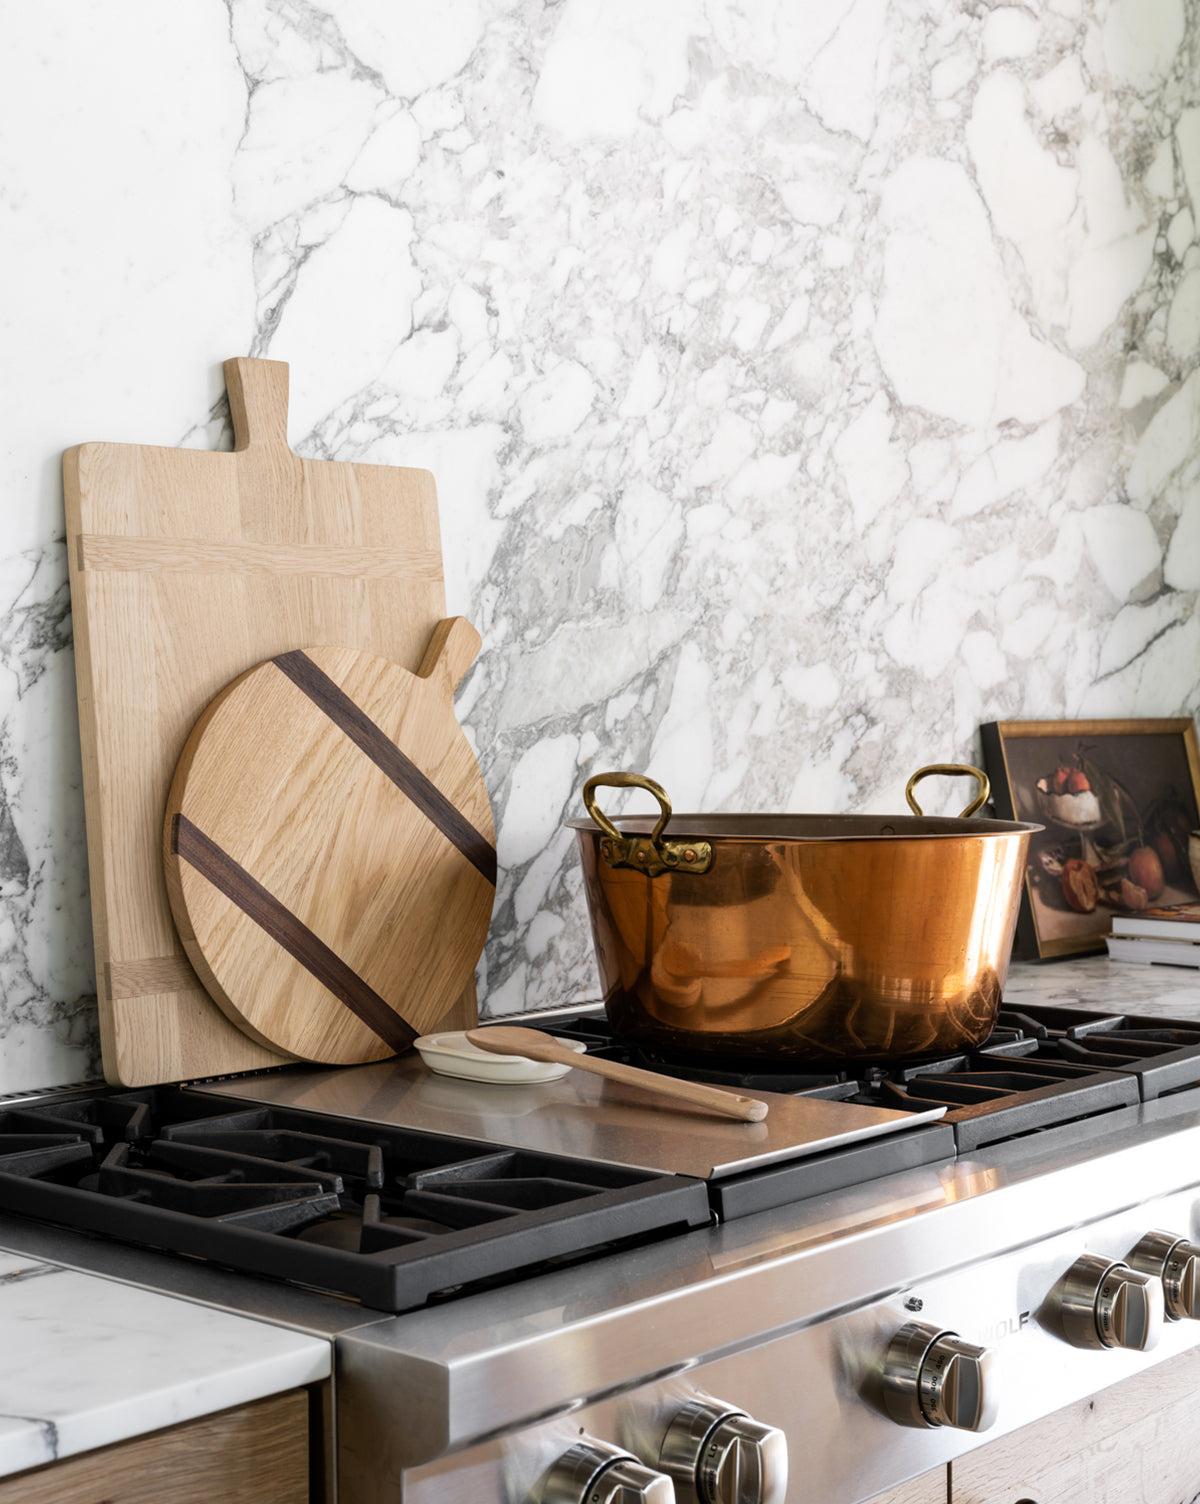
x: 187, y: 569
x: 535, y: 1044
x: 256, y: 1454
x: 1133, y: 1443
x: 329, y: 849
x: 930, y: 1488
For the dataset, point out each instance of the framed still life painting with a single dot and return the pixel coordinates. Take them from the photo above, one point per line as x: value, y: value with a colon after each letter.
x: 1118, y: 800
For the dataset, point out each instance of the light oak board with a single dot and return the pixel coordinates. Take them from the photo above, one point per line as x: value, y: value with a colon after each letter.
x: 329, y: 849
x: 188, y: 568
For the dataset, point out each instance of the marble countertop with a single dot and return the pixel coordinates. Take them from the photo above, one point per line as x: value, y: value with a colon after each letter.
x: 85, y: 1361
x: 1095, y: 982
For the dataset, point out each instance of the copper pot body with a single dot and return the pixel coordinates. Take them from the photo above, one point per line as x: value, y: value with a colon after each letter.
x: 809, y: 937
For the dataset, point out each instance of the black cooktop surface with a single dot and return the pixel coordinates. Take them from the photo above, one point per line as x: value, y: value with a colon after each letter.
x: 392, y: 1217
x: 399, y: 1218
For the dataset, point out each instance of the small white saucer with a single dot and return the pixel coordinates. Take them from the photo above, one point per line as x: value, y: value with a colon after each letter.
x: 455, y: 1055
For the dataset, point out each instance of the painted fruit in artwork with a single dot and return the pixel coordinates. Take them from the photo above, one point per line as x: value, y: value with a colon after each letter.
x: 1146, y: 870
x: 1079, y: 886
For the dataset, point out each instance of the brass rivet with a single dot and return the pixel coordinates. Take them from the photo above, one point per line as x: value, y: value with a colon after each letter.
x: 689, y: 856
x: 641, y: 856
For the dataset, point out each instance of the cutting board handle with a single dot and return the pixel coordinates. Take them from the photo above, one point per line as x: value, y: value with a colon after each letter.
x: 453, y: 647
x: 258, y: 402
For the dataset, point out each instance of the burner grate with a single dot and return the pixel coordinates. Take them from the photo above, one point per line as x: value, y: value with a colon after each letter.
x: 306, y: 1151
x: 1161, y: 1056
x: 95, y: 1119
x: 390, y: 1216
x: 987, y: 1106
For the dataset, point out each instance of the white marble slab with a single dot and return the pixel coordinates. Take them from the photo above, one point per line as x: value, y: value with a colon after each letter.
x: 805, y: 383
x: 86, y: 1361
x: 1095, y: 982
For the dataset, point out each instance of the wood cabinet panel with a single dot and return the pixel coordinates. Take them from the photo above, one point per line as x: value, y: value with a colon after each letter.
x: 256, y: 1454
x: 1136, y: 1443
x: 929, y: 1488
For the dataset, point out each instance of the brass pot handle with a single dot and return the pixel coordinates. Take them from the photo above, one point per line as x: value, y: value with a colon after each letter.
x: 951, y: 769
x: 624, y: 781
x: 649, y: 854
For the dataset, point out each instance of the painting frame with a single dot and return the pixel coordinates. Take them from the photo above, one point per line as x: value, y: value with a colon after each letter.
x: 1055, y: 925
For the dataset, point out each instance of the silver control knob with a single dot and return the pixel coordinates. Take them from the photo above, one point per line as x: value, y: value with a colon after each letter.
x: 1175, y: 1263
x: 934, y: 1378
x: 718, y: 1455
x: 593, y: 1472
x: 1108, y: 1304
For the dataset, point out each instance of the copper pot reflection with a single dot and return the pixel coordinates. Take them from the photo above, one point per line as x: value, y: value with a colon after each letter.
x: 802, y: 937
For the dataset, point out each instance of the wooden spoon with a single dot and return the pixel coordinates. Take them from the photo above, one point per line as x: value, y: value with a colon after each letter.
x: 534, y: 1045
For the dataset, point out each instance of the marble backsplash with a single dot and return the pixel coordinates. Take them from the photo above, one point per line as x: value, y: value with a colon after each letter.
x: 805, y: 384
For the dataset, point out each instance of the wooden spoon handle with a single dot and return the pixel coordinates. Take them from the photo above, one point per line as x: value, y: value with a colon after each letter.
x: 747, y: 1109
x: 534, y: 1045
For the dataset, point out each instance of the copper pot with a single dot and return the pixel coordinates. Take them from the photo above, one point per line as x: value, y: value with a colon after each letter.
x: 802, y: 937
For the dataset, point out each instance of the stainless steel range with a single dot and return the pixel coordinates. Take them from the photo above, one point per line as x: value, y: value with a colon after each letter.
x: 560, y: 1293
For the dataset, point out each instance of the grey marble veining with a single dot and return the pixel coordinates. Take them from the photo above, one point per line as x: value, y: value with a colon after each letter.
x: 804, y: 384
x: 48, y: 1028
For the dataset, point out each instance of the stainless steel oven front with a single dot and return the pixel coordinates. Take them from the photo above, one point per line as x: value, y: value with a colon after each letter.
x: 823, y: 1352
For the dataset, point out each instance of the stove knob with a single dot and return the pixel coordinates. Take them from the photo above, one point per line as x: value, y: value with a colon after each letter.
x: 1176, y: 1263
x: 934, y: 1378
x: 1107, y: 1304
x: 718, y: 1455
x: 592, y: 1472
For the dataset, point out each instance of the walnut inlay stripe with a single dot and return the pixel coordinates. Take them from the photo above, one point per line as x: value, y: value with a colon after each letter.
x: 115, y: 555
x: 277, y: 920
x: 389, y: 759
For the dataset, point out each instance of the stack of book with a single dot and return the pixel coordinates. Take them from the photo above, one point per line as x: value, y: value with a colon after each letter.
x: 1162, y: 937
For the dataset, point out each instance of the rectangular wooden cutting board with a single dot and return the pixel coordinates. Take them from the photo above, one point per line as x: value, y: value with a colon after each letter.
x: 187, y: 568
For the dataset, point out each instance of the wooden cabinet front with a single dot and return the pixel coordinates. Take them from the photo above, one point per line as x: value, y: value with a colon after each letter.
x: 1136, y: 1443
x: 930, y: 1488
x: 257, y: 1454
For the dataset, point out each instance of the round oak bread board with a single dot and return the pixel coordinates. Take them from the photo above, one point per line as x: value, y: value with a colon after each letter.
x: 329, y: 849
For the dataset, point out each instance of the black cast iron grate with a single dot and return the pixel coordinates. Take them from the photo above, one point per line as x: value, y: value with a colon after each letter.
x: 392, y: 1217
x: 1162, y: 1054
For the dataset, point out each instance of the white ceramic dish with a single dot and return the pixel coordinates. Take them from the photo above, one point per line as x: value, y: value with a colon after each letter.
x: 455, y: 1055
